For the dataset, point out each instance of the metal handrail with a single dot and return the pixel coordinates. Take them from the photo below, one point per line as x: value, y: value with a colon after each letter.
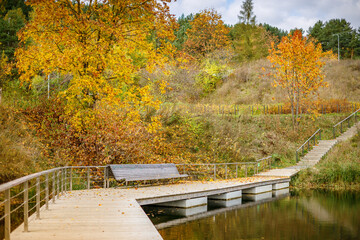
x: 307, y: 142
x: 348, y: 118
x: 216, y: 166
x: 59, y: 180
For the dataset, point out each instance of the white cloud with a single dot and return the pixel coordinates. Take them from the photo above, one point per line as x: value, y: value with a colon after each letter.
x: 283, y: 14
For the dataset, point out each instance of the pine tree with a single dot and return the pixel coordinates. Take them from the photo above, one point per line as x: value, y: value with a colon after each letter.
x: 246, y: 14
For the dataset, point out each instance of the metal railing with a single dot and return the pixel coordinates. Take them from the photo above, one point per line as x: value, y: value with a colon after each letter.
x: 31, y: 194
x: 214, y: 171
x: 348, y: 119
x: 307, y: 143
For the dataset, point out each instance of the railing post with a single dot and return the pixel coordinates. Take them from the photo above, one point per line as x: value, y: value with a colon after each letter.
x: 71, y: 187
x: 38, y: 198
x: 65, y: 179
x: 105, y: 172
x: 341, y: 127
x: 226, y: 170
x: 62, y: 180
x: 26, y: 206
x: 7, y: 214
x: 58, y: 184
x: 47, y: 191
x: 88, y: 177
x: 334, y: 132
x: 54, y: 187
x: 314, y: 140
x: 214, y: 171
x: 297, y: 155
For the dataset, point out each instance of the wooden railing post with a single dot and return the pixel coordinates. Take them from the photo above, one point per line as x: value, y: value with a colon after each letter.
x: 38, y: 198
x: 7, y: 214
x: 47, y: 191
x: 26, y: 206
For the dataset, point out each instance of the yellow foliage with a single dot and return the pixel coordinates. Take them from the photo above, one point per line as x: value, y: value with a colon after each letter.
x: 102, y: 45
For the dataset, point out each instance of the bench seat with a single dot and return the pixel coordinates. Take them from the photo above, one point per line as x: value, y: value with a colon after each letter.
x: 142, y: 172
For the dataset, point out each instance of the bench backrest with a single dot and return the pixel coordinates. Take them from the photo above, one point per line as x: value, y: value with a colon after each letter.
x: 122, y: 171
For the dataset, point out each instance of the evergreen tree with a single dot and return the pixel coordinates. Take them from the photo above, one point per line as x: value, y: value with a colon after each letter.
x: 277, y: 32
x: 13, y: 21
x: 246, y: 14
x: 180, y: 33
x: 326, y: 34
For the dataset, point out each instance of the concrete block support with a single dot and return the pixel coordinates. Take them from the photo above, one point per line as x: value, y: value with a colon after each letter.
x: 278, y: 186
x: 225, y: 203
x: 257, y: 190
x: 187, y: 203
x: 227, y: 196
x: 257, y: 197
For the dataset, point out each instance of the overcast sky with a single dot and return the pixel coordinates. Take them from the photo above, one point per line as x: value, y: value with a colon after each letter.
x: 284, y: 14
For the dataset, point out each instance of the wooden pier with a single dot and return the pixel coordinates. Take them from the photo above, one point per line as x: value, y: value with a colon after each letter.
x: 117, y: 214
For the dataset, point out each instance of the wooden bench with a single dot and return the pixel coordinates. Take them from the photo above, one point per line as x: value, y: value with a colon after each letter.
x: 142, y: 172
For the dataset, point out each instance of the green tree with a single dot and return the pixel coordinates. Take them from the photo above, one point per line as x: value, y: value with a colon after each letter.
x: 277, y: 32
x: 180, y: 32
x: 13, y: 21
x: 7, y: 5
x: 326, y: 34
x: 246, y: 14
x: 250, y: 42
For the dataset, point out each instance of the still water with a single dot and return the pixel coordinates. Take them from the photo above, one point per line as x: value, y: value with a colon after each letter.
x: 309, y: 215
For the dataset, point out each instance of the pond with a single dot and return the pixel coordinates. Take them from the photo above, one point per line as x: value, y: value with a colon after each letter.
x: 300, y: 215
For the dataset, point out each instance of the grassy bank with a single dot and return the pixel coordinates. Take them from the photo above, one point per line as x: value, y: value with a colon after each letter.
x: 340, y: 169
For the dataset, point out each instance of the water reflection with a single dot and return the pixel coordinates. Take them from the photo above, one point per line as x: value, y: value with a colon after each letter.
x: 310, y: 215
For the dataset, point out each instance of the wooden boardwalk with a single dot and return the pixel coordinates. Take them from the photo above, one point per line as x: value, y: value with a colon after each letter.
x: 312, y: 157
x: 116, y: 213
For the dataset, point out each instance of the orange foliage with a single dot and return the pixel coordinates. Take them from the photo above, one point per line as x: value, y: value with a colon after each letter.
x: 207, y: 33
x: 297, y: 64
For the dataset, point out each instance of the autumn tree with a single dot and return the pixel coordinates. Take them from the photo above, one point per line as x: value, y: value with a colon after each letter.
x: 297, y: 63
x: 206, y: 34
x: 101, y: 45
